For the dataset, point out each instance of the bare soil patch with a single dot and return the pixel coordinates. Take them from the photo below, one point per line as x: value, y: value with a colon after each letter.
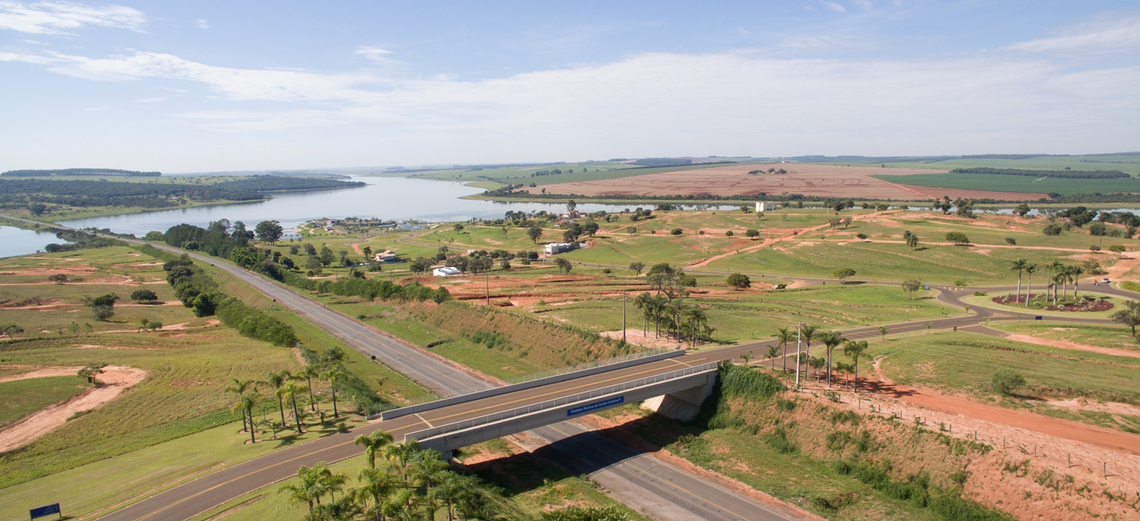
x: 819, y: 180
x: 1065, y: 344
x: 635, y: 336
x: 116, y: 379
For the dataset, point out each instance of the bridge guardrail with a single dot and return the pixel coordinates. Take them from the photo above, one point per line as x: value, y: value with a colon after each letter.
x: 550, y: 404
x: 532, y: 381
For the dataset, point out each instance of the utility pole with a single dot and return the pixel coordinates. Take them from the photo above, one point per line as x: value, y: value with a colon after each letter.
x: 798, y: 325
x: 623, y: 318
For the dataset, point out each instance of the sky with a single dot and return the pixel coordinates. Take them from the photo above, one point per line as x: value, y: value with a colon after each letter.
x: 226, y: 86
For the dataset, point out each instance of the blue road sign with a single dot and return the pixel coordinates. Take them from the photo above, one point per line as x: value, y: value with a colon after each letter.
x: 587, y: 408
x: 46, y: 511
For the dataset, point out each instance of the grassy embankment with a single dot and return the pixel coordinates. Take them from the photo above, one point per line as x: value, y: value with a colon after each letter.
x: 530, y: 484
x: 179, y: 419
x: 1116, y: 337
x: 966, y: 362
x: 23, y: 397
x: 833, y: 462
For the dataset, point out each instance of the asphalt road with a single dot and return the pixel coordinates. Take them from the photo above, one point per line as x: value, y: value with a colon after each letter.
x: 667, y: 492
x: 639, y: 480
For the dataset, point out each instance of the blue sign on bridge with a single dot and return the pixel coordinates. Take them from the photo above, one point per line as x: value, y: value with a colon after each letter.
x: 46, y: 511
x: 593, y: 406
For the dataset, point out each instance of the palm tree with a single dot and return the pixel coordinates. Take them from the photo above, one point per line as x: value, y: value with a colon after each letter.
x: 1018, y: 265
x: 1029, y: 269
x: 373, y: 444
x: 400, y: 453
x: 308, y: 372
x: 240, y: 386
x: 883, y: 330
x: 1055, y: 268
x: 855, y: 350
x: 644, y: 302
x: 785, y: 335
x: 277, y: 380
x: 773, y: 352
x: 333, y: 376
x: 816, y: 363
x: 426, y: 470
x: 696, y: 316
x: 247, y: 403
x: 309, y: 490
x: 831, y: 340
x: 291, y: 388
x: 807, y: 334
x: 1075, y: 272
x: 377, y: 485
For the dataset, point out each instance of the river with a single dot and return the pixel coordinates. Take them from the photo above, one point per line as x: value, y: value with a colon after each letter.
x: 389, y: 198
x: 18, y: 241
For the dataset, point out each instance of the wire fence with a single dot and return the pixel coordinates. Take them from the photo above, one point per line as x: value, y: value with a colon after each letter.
x: 557, y: 402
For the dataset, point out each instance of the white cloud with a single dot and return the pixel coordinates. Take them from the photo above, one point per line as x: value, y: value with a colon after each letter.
x: 1121, y: 35
x: 59, y: 17
x: 742, y: 102
x: 835, y: 7
x: 202, y: 23
x: 863, y: 4
x: 376, y: 54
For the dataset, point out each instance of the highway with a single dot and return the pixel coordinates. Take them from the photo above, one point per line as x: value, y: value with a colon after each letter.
x: 656, y: 487
x: 660, y: 489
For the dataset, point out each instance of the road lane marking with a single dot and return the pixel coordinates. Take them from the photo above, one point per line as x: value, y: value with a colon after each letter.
x: 633, y: 465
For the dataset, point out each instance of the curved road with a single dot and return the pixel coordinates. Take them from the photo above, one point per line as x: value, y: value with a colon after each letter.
x: 639, y: 480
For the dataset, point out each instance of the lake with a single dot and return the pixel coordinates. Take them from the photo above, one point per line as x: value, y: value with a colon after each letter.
x: 389, y: 198
x: 18, y: 241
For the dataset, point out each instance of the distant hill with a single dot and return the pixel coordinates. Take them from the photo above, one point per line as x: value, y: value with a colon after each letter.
x: 102, y: 172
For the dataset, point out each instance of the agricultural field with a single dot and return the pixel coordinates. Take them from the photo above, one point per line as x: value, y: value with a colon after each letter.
x: 1127, y: 163
x: 570, y: 172
x: 1036, y: 188
x: 801, y: 178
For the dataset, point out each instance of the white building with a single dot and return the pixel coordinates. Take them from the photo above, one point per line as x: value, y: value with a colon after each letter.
x: 386, y: 256
x: 559, y: 247
x: 446, y: 271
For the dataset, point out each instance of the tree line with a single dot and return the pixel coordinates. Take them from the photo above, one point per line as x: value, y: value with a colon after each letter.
x: 1062, y: 174
x: 80, y: 172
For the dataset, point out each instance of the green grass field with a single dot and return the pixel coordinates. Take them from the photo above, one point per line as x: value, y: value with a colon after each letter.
x: 1015, y: 183
x: 1127, y: 163
x: 23, y: 397
x: 962, y: 361
x: 1116, y: 337
x: 161, y: 465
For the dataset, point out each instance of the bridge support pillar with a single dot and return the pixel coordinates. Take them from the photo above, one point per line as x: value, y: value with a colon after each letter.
x: 681, y: 405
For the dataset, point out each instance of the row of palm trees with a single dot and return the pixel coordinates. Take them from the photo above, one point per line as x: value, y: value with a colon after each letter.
x: 683, y: 321
x: 284, y: 384
x: 414, y: 484
x: 831, y: 340
x: 1060, y: 275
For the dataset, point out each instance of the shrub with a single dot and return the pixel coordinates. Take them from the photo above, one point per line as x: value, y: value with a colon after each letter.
x: 144, y: 296
x: 1116, y: 248
x: 1094, y: 248
x: 1006, y: 381
x: 739, y: 281
x: 676, y: 231
x: 1052, y: 229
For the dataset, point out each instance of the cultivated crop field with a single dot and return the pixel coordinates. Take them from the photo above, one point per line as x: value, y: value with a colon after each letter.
x: 1034, y: 188
x: 802, y: 178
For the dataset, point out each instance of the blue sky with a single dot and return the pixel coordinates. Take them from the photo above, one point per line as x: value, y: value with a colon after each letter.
x: 207, y: 86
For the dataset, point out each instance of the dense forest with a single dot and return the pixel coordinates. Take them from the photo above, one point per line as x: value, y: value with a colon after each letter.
x: 38, y: 194
x: 1063, y: 174
x: 274, y: 183
x: 79, y: 171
